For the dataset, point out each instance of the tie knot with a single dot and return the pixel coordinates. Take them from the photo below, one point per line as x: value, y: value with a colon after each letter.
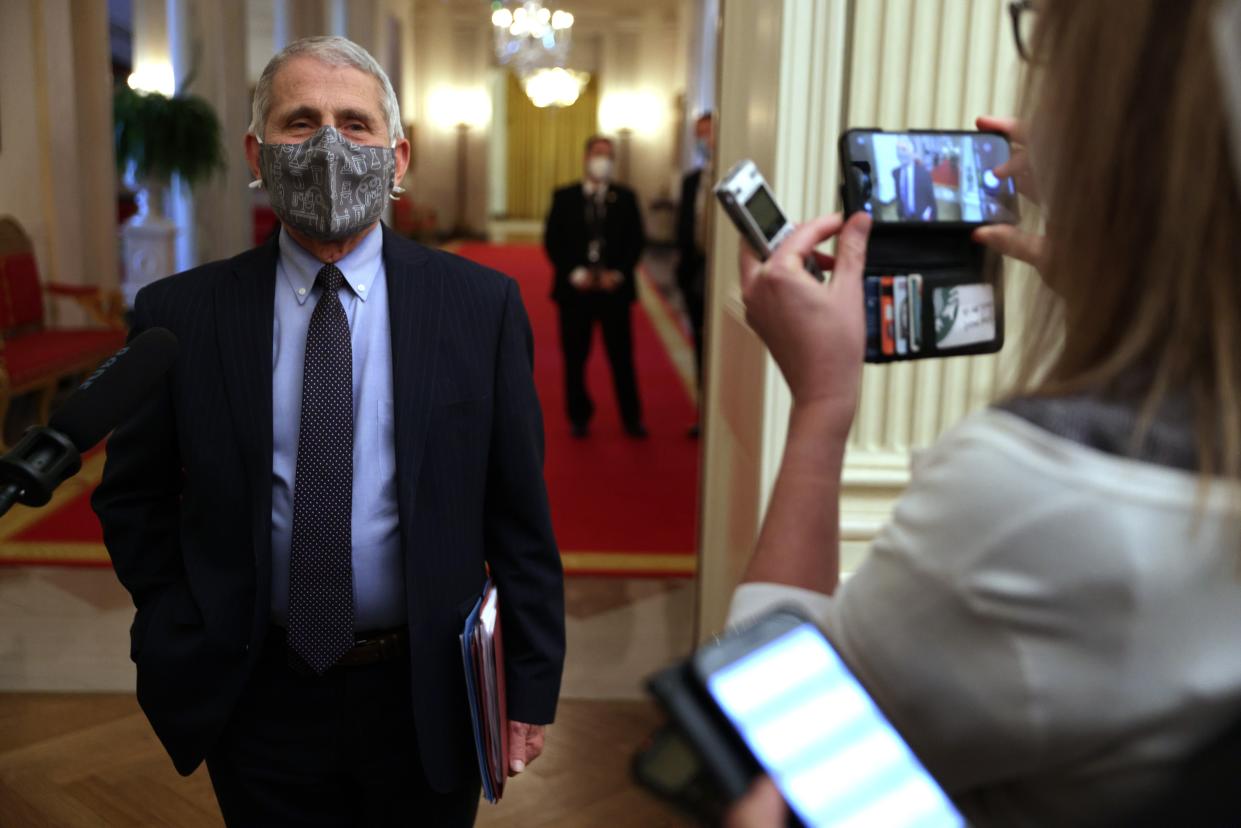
x: 330, y: 278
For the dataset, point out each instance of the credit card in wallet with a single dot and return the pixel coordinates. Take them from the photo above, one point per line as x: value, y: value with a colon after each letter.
x: 900, y: 307
x: 964, y: 315
x: 872, y: 317
x: 887, y: 331
x: 915, y: 312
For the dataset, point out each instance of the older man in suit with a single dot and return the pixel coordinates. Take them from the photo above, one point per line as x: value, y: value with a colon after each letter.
x: 308, y: 506
x: 915, y: 191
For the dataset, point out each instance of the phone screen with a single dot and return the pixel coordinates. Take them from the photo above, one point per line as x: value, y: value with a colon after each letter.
x: 929, y: 177
x: 828, y: 747
x: 762, y: 208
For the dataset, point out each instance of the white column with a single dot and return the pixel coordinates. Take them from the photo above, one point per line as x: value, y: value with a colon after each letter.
x: 184, y: 52
x: 148, y: 240
x: 222, y: 215
x: 701, y: 80
x: 96, y: 178
x: 295, y: 19
x: 57, y: 119
x: 362, y: 27
x: 734, y: 404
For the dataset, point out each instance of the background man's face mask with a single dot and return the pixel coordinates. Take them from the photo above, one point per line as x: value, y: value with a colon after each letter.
x: 599, y: 167
x: 327, y: 187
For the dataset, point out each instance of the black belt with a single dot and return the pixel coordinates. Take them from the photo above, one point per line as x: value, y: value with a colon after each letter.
x: 369, y: 648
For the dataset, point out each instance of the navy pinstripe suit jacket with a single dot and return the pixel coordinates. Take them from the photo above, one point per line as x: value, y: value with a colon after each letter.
x: 185, y: 500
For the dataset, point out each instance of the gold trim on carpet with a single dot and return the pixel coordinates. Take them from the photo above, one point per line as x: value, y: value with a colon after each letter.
x: 33, y: 553
x: 680, y: 351
x: 669, y: 563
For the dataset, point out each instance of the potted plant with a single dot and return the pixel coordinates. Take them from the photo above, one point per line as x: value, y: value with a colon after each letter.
x: 158, y: 137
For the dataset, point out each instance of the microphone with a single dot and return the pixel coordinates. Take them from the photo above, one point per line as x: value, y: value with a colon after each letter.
x: 48, y: 455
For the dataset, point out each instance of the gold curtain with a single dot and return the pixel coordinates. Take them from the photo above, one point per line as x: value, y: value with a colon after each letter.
x: 545, y: 147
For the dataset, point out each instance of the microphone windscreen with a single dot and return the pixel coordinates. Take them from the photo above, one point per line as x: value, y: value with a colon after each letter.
x: 116, y: 388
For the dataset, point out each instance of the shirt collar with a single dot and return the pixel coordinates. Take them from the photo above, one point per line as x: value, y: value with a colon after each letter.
x: 361, y: 266
x: 594, y: 189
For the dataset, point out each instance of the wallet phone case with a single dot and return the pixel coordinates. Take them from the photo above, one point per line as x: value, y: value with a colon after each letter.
x: 930, y: 290
x: 929, y: 294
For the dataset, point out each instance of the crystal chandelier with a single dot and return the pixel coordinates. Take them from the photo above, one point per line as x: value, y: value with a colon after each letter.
x: 533, y: 41
x: 555, y: 86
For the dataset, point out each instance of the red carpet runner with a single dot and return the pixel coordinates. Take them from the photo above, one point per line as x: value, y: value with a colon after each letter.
x: 619, y: 506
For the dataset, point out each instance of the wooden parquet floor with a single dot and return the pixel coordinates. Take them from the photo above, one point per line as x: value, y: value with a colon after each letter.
x: 79, y: 760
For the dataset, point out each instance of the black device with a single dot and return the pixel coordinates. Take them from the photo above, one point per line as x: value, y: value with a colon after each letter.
x: 48, y: 455
x: 931, y: 291
x: 775, y: 697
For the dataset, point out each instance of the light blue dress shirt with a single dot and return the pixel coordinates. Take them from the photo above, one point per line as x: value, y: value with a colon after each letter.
x: 378, y: 570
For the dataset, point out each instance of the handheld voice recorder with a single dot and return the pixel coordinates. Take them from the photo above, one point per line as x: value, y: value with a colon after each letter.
x: 747, y: 199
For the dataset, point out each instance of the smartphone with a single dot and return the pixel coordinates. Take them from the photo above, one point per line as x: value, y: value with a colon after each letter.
x: 668, y: 765
x: 748, y: 201
x: 927, y: 177
x: 815, y: 730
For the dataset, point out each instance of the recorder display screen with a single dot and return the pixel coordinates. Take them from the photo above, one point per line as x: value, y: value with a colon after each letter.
x: 819, y: 735
x: 762, y: 208
x: 931, y: 177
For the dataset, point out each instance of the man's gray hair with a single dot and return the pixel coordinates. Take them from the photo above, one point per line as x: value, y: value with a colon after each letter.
x: 334, y: 51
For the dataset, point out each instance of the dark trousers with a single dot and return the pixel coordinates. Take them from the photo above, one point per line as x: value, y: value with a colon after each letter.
x: 692, y: 282
x: 578, y: 315
x: 335, y: 750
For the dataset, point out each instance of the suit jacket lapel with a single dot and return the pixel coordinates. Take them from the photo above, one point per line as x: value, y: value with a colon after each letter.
x: 245, y: 307
x: 415, y: 295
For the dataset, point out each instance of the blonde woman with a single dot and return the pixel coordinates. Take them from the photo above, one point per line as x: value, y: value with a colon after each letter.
x: 1051, y: 616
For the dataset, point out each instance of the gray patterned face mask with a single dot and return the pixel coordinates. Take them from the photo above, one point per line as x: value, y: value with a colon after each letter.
x: 327, y: 187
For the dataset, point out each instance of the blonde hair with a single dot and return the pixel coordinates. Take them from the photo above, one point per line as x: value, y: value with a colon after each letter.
x: 1144, y: 247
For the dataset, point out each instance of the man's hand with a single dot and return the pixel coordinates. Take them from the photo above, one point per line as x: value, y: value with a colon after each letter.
x: 1006, y: 239
x: 525, y: 743
x: 761, y: 807
x: 816, y: 332
x: 610, y: 280
x: 581, y: 278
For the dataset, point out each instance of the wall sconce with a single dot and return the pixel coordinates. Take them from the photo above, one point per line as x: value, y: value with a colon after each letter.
x: 639, y: 112
x: 459, y: 110
x: 451, y: 107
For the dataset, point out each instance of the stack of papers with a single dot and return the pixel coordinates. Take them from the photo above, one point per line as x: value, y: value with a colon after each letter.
x: 483, y: 655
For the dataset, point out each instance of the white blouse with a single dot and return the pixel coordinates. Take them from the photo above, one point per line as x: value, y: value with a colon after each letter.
x: 1052, y: 628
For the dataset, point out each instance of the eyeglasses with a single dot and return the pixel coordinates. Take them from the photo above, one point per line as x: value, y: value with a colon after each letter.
x: 1022, y: 12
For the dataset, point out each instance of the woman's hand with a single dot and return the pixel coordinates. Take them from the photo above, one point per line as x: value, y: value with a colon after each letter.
x: 816, y: 332
x: 1006, y: 239
x: 761, y: 807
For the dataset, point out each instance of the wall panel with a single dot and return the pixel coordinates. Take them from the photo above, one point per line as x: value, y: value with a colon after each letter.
x: 930, y: 64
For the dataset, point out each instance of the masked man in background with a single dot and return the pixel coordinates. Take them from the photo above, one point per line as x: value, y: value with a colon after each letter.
x: 692, y: 218
x: 594, y: 239
x: 305, y: 510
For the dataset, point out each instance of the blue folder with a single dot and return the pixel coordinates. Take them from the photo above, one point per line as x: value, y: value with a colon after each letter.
x: 471, y: 689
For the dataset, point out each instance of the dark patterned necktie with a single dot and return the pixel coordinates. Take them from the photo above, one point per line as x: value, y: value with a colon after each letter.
x: 320, y: 560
